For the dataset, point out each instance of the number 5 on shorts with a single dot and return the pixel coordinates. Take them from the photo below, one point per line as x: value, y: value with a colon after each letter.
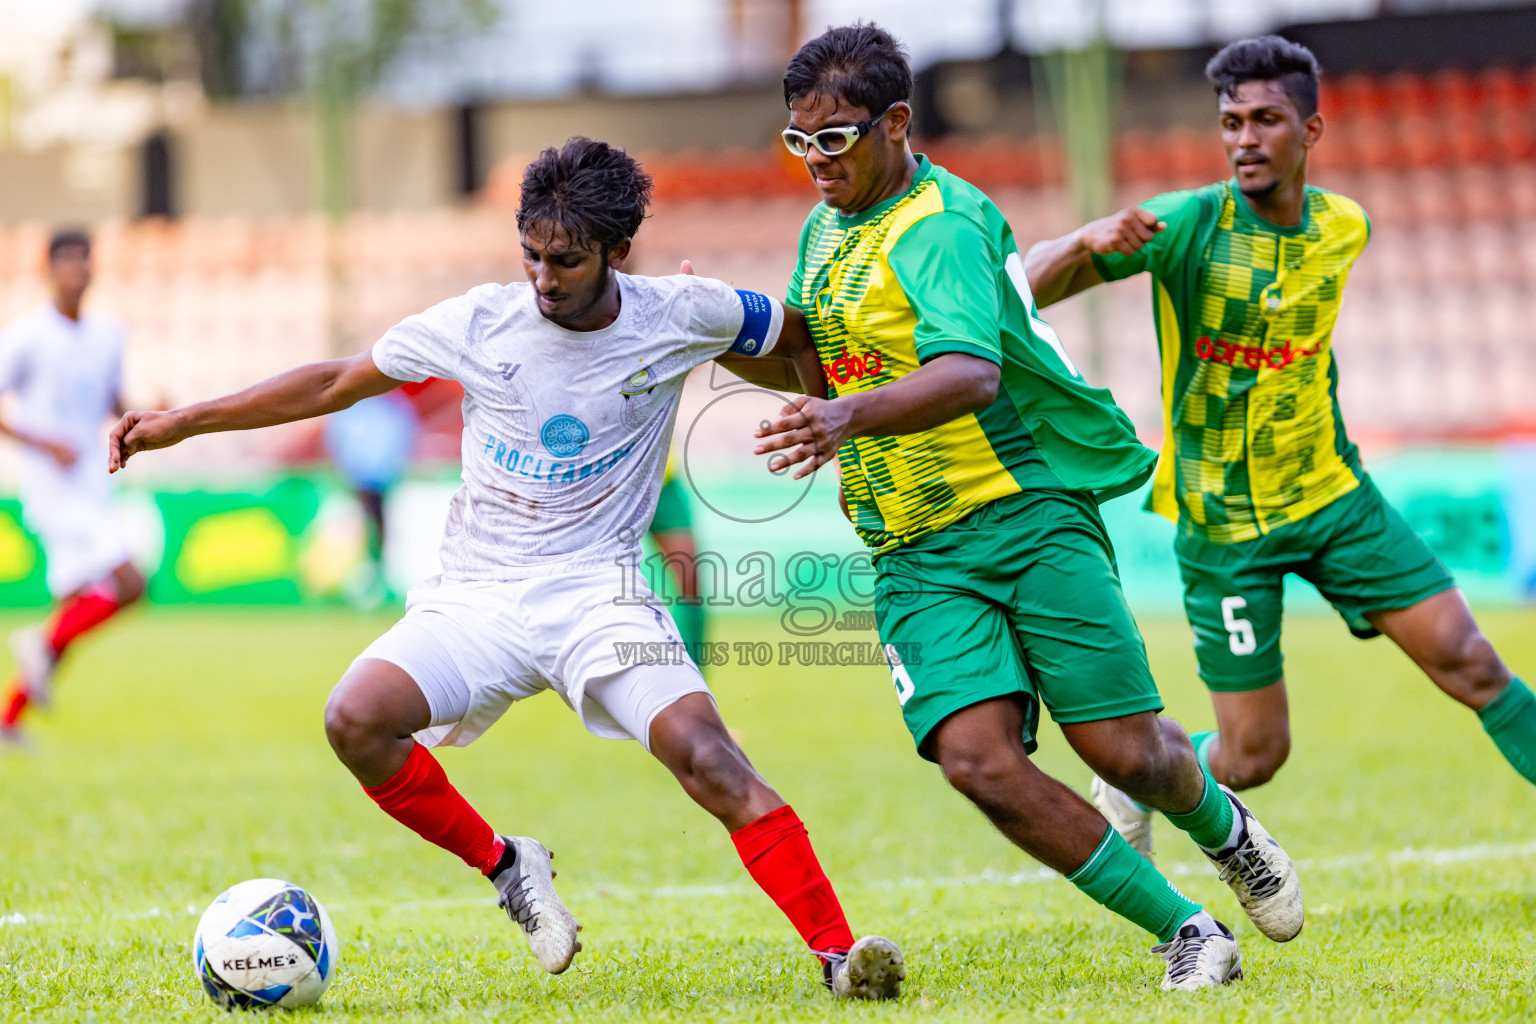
x: 1240, y: 631
x: 899, y: 675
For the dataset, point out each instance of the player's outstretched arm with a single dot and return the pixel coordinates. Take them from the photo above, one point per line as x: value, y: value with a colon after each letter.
x: 305, y: 391
x: 1062, y: 267
x: 944, y: 388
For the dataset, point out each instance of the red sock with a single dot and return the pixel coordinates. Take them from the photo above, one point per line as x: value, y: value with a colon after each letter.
x: 15, y: 704
x: 84, y: 613
x: 778, y: 855
x: 420, y: 797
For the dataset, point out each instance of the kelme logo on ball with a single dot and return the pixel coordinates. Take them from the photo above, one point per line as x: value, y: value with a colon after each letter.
x: 564, y: 436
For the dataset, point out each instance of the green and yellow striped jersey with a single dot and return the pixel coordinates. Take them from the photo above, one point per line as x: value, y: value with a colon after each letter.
x: 1253, y: 437
x: 935, y: 271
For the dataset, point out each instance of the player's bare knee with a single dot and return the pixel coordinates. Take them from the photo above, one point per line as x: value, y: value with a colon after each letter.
x: 1247, y: 774
x: 340, y: 724
x: 1140, y: 769
x: 997, y: 784
x: 982, y: 775
x: 351, y: 724
x: 1254, y: 759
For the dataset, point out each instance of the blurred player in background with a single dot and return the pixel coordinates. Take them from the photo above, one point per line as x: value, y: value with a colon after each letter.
x: 973, y: 460
x: 1257, y: 468
x: 672, y: 533
x: 370, y: 445
x: 64, y: 368
x: 562, y: 462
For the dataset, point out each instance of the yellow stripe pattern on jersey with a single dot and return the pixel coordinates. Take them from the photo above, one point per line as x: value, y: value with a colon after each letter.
x: 905, y: 486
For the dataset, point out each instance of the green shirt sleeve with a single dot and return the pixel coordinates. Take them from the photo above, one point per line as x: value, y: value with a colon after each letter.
x: 948, y: 271
x: 1181, y: 212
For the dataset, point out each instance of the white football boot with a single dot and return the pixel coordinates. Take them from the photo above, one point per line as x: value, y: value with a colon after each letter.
x: 1200, y: 958
x: 872, y: 969
x: 1130, y: 819
x: 34, y: 664
x: 527, y: 888
x: 1262, y: 876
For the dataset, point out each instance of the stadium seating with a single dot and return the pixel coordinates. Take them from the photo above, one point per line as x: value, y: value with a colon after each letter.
x: 1436, y: 338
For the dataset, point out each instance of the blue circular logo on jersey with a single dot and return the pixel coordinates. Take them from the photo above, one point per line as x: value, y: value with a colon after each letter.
x: 564, y: 436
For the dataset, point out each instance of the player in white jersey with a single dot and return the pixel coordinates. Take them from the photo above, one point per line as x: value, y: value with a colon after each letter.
x: 571, y: 389
x: 63, y: 369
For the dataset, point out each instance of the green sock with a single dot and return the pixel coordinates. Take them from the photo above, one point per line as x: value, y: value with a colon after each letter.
x: 1202, y: 742
x: 1510, y: 720
x: 1121, y: 880
x: 1210, y: 823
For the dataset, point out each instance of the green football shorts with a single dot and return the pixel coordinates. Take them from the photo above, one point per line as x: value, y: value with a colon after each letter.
x: 1020, y: 597
x: 1358, y: 552
x: 673, y: 511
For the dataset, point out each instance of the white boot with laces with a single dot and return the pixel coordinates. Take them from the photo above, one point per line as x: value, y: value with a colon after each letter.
x: 1203, y: 954
x: 526, y: 882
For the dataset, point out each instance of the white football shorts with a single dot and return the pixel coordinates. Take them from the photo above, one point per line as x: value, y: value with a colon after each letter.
x: 475, y: 648
x: 80, y: 535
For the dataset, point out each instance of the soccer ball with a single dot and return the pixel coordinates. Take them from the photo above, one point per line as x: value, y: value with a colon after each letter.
x: 264, y: 943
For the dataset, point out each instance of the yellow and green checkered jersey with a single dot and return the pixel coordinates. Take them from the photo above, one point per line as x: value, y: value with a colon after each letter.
x: 1245, y: 311
x: 930, y: 272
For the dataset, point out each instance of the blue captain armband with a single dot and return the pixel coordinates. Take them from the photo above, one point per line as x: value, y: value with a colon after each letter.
x: 761, y: 322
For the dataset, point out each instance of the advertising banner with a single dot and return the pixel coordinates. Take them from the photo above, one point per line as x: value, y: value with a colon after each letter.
x: 298, y: 539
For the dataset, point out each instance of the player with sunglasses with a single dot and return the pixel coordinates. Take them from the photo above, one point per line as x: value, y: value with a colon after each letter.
x: 974, y: 457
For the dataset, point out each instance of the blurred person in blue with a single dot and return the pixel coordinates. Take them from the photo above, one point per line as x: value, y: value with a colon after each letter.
x: 370, y: 444
x: 64, y: 369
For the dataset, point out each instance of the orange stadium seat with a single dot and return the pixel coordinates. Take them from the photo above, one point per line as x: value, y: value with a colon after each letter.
x: 1141, y: 156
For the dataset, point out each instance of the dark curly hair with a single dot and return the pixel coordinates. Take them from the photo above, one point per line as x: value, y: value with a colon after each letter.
x: 1267, y: 59
x: 595, y: 193
x: 68, y: 238
x: 861, y: 64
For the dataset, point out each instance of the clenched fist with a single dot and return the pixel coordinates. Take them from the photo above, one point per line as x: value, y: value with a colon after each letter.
x: 1124, y: 232
x: 139, y: 432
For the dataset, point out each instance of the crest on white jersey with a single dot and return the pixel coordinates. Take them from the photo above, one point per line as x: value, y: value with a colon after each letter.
x: 639, y: 383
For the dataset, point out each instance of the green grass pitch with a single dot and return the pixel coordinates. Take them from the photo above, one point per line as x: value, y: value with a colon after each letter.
x: 186, y: 753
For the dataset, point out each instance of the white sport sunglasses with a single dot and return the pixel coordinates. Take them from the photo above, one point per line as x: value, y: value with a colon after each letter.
x: 831, y: 141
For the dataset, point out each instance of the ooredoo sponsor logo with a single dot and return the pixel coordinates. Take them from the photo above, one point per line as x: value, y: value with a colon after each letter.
x: 845, y: 367
x: 1252, y: 356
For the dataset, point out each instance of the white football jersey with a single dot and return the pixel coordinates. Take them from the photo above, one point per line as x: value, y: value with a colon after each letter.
x: 66, y: 376
x: 566, y: 432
